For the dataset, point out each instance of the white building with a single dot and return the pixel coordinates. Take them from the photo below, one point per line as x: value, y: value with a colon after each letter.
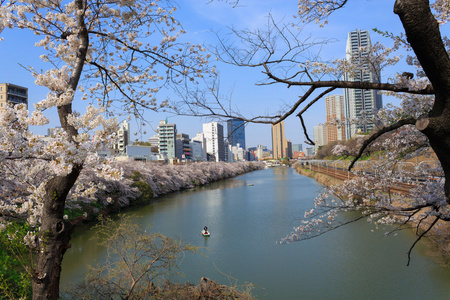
x: 260, y: 150
x: 198, y: 147
x: 154, y: 141
x: 213, y: 133
x: 239, y: 153
x: 358, y: 102
x: 320, y: 136
x: 123, y: 139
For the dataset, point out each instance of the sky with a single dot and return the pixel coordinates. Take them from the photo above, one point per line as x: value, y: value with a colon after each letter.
x: 199, y: 19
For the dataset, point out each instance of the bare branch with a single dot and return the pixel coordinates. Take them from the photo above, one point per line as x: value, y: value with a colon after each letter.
x: 353, y: 85
x: 316, y: 99
x: 420, y: 237
x: 305, y: 132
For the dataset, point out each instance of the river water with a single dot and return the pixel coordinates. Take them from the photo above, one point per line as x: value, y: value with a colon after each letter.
x: 247, y: 215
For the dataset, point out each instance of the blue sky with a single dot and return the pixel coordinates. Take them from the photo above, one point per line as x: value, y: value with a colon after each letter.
x: 199, y: 17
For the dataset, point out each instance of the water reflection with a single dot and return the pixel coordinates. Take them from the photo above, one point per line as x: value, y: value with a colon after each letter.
x: 245, y: 222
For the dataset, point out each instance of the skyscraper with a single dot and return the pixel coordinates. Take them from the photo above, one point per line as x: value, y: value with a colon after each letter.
x: 12, y: 94
x: 236, y: 132
x: 320, y: 136
x: 334, y: 107
x: 358, y: 101
x: 213, y: 133
x: 279, y: 142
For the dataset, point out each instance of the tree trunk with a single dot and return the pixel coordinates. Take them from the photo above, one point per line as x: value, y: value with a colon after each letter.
x: 54, y: 232
x: 54, y: 236
x: 422, y: 32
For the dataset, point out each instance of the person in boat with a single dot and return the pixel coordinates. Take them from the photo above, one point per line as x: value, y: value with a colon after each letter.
x: 205, y: 229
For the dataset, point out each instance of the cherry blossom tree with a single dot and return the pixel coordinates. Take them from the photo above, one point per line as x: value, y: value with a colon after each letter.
x: 420, y: 122
x: 114, y: 55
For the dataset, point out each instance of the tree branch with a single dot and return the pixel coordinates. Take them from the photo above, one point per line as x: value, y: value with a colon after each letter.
x: 305, y: 132
x: 316, y: 99
x: 353, y: 85
x: 420, y: 237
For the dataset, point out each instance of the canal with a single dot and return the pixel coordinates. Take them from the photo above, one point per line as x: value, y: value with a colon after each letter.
x: 247, y: 215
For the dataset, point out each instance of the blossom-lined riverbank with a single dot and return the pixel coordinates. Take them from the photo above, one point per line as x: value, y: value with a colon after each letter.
x: 438, y: 237
x: 142, y: 182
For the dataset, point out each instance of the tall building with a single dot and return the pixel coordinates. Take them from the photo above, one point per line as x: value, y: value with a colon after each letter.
x: 183, y: 149
x: 289, y: 149
x: 167, y: 138
x: 236, y: 132
x: 123, y: 139
x: 334, y: 107
x: 320, y: 136
x: 279, y: 142
x: 215, y: 148
x: 11, y: 94
x: 358, y: 101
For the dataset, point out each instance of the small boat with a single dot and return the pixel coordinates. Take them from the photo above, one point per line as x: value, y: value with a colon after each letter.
x: 205, y: 233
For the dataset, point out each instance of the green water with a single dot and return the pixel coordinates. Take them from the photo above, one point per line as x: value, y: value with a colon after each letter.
x: 247, y: 215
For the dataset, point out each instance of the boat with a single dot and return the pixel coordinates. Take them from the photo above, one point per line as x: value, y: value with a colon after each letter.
x: 206, y: 233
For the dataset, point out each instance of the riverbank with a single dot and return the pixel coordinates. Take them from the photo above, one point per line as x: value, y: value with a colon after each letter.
x: 143, y: 182
x: 438, y: 239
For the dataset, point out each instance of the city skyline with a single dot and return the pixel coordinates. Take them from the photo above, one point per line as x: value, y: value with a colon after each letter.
x: 198, y: 20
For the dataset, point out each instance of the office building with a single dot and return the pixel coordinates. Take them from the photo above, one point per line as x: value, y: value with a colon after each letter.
x: 358, y: 102
x: 183, y: 149
x: 289, y: 152
x: 297, y: 147
x: 213, y: 133
x: 237, y: 153
x: 261, y: 152
x: 279, y: 142
x: 167, y: 138
x: 11, y: 94
x: 198, y: 147
x: 334, y: 108
x: 320, y: 136
x: 309, y: 151
x: 236, y: 132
